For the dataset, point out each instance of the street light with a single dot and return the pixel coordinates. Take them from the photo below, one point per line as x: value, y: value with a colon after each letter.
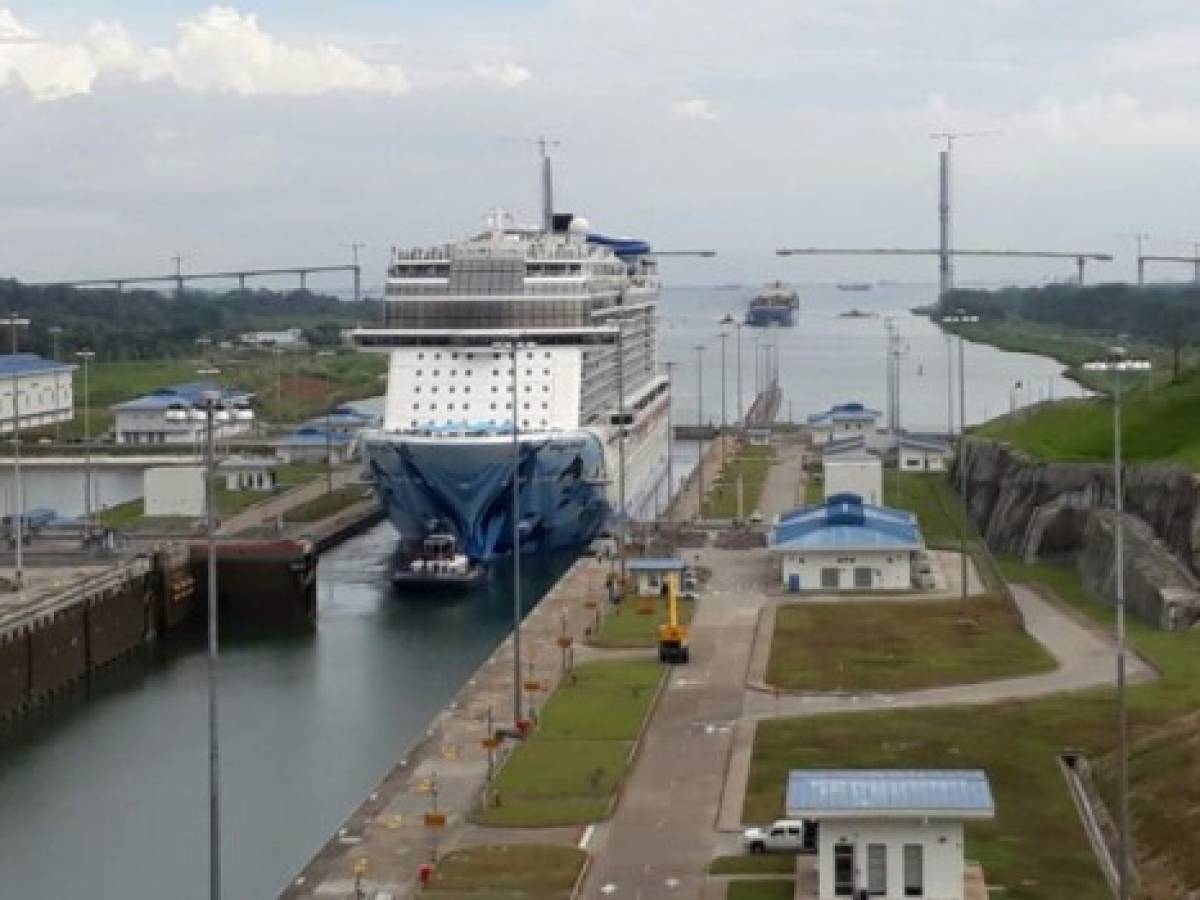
x: 55, y: 334
x: 211, y: 408
x: 960, y: 317
x: 14, y: 322
x: 1116, y: 361
x: 699, y: 348
x: 737, y: 327
x: 87, y: 356
x: 670, y: 431
x: 724, y: 339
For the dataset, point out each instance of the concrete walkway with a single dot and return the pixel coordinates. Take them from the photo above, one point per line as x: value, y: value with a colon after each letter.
x: 268, y: 511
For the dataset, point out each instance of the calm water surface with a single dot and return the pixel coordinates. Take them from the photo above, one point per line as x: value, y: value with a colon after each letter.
x: 106, y: 797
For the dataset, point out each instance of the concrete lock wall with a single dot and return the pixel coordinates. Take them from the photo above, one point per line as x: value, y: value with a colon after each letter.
x: 942, y: 844
x: 174, y: 491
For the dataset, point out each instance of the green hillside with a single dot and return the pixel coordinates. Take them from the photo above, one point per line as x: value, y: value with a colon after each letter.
x: 1161, y: 422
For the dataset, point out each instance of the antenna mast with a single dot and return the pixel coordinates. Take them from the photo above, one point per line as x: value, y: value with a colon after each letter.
x: 544, y: 146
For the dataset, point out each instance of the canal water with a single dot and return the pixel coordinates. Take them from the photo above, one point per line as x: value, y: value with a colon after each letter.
x: 105, y: 796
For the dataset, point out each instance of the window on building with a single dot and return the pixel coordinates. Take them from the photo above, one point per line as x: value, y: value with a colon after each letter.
x: 914, y: 870
x: 877, y: 869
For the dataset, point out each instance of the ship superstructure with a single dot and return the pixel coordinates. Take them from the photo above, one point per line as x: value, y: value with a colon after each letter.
x: 553, y: 329
x: 774, y: 304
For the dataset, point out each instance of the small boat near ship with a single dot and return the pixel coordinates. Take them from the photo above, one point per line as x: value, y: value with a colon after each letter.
x: 774, y: 304
x: 439, y: 564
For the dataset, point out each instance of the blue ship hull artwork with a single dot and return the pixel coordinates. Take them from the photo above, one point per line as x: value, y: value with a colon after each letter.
x: 466, y: 487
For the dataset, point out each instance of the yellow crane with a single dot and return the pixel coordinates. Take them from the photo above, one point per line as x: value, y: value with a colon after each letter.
x: 672, y: 634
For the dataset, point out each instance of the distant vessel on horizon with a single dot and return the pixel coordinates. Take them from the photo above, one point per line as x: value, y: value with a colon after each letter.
x: 854, y: 286
x: 774, y: 304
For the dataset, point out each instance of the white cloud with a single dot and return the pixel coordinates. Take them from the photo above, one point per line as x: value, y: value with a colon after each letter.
x: 509, y: 74
x: 696, y: 108
x: 220, y: 50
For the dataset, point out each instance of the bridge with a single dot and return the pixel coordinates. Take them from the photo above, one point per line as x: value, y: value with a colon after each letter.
x: 1081, y: 257
x: 119, y: 282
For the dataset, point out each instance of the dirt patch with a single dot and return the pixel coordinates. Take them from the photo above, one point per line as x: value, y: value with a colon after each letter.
x: 304, y: 388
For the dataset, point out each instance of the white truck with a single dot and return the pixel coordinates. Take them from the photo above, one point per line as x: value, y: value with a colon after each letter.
x: 784, y: 836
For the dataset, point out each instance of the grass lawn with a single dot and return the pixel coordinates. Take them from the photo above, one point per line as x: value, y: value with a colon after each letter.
x: 754, y: 864
x: 932, y: 498
x: 751, y: 464
x: 511, y: 871
x: 626, y: 626
x: 776, y: 889
x: 888, y: 646
x: 328, y: 504
x: 567, y: 772
x: 814, y: 489
x: 1036, y: 848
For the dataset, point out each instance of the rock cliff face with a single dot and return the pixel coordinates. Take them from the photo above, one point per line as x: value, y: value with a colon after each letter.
x: 1029, y: 507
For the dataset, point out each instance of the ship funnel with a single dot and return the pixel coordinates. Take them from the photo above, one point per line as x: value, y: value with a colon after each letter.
x: 544, y: 146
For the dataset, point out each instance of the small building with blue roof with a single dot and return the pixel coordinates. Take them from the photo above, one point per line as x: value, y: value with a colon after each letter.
x: 44, y: 391
x: 843, y: 420
x: 155, y: 418
x: 891, y: 833
x: 845, y: 544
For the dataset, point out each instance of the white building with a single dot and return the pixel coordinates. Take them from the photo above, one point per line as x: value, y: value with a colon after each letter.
x: 650, y: 573
x: 892, y: 833
x: 44, y: 391
x: 842, y: 421
x: 249, y: 473
x: 174, y: 491
x: 850, y: 467
x: 155, y: 418
x: 314, y: 444
x: 846, y: 545
x: 291, y: 338
x: 923, y: 453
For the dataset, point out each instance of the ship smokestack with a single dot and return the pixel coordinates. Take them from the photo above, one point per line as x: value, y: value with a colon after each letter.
x: 547, y: 188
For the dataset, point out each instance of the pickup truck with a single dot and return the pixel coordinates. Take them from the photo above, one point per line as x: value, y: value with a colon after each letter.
x: 786, y: 835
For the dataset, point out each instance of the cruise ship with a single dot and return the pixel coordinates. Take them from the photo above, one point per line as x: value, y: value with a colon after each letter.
x: 534, y: 344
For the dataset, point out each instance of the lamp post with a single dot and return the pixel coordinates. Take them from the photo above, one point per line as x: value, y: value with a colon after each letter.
x: 757, y: 369
x: 670, y: 431
x: 699, y: 348
x: 949, y: 386
x: 55, y: 338
x: 622, y: 513
x: 1116, y: 361
x: 87, y: 356
x: 516, y: 540
x: 737, y: 327
x: 211, y: 409
x: 724, y: 339
x: 15, y: 322
x: 962, y: 318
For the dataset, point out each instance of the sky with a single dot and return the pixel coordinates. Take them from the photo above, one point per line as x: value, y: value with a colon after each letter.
x: 276, y: 133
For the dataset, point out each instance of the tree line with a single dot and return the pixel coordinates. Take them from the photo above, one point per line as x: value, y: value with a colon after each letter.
x: 144, y: 324
x: 1168, y: 315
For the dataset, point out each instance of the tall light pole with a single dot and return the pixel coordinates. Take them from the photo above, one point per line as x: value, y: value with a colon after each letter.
x: 87, y: 356
x: 737, y: 327
x: 1116, y: 361
x: 55, y: 339
x: 516, y: 540
x: 670, y: 431
x: 961, y: 318
x: 699, y: 348
x: 757, y: 369
x: 622, y: 513
x: 1141, y: 238
x: 949, y: 386
x: 15, y: 322
x: 724, y: 339
x: 211, y: 408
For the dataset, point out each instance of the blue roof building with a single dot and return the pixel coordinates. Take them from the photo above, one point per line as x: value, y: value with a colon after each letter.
x: 44, y: 390
x: 841, y: 421
x: 313, y: 443
x: 892, y: 833
x: 155, y: 418
x: 845, y: 544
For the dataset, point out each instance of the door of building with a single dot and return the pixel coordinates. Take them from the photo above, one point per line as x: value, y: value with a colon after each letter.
x: 794, y: 583
x: 831, y: 577
x: 843, y: 870
x: 862, y: 577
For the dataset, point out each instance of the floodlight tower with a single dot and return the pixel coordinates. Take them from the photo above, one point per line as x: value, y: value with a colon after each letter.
x: 945, y: 258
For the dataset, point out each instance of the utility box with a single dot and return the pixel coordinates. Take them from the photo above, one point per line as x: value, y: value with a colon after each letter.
x: 174, y: 491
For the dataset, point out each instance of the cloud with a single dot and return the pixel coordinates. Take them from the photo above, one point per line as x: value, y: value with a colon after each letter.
x: 509, y: 74
x: 696, y: 108
x: 218, y: 51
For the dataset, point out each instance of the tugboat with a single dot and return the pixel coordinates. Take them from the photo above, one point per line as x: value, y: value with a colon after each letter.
x: 439, y: 565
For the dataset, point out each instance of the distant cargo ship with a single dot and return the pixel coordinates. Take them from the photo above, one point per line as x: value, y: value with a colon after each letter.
x: 775, y: 304
x: 854, y: 286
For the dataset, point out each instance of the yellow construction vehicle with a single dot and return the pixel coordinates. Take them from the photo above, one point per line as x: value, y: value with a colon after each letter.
x: 672, y: 635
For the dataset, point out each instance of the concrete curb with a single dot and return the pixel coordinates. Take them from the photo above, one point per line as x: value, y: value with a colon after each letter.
x: 631, y: 759
x: 577, y: 887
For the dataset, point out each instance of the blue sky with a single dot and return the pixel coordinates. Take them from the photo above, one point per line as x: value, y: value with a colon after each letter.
x: 250, y: 133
